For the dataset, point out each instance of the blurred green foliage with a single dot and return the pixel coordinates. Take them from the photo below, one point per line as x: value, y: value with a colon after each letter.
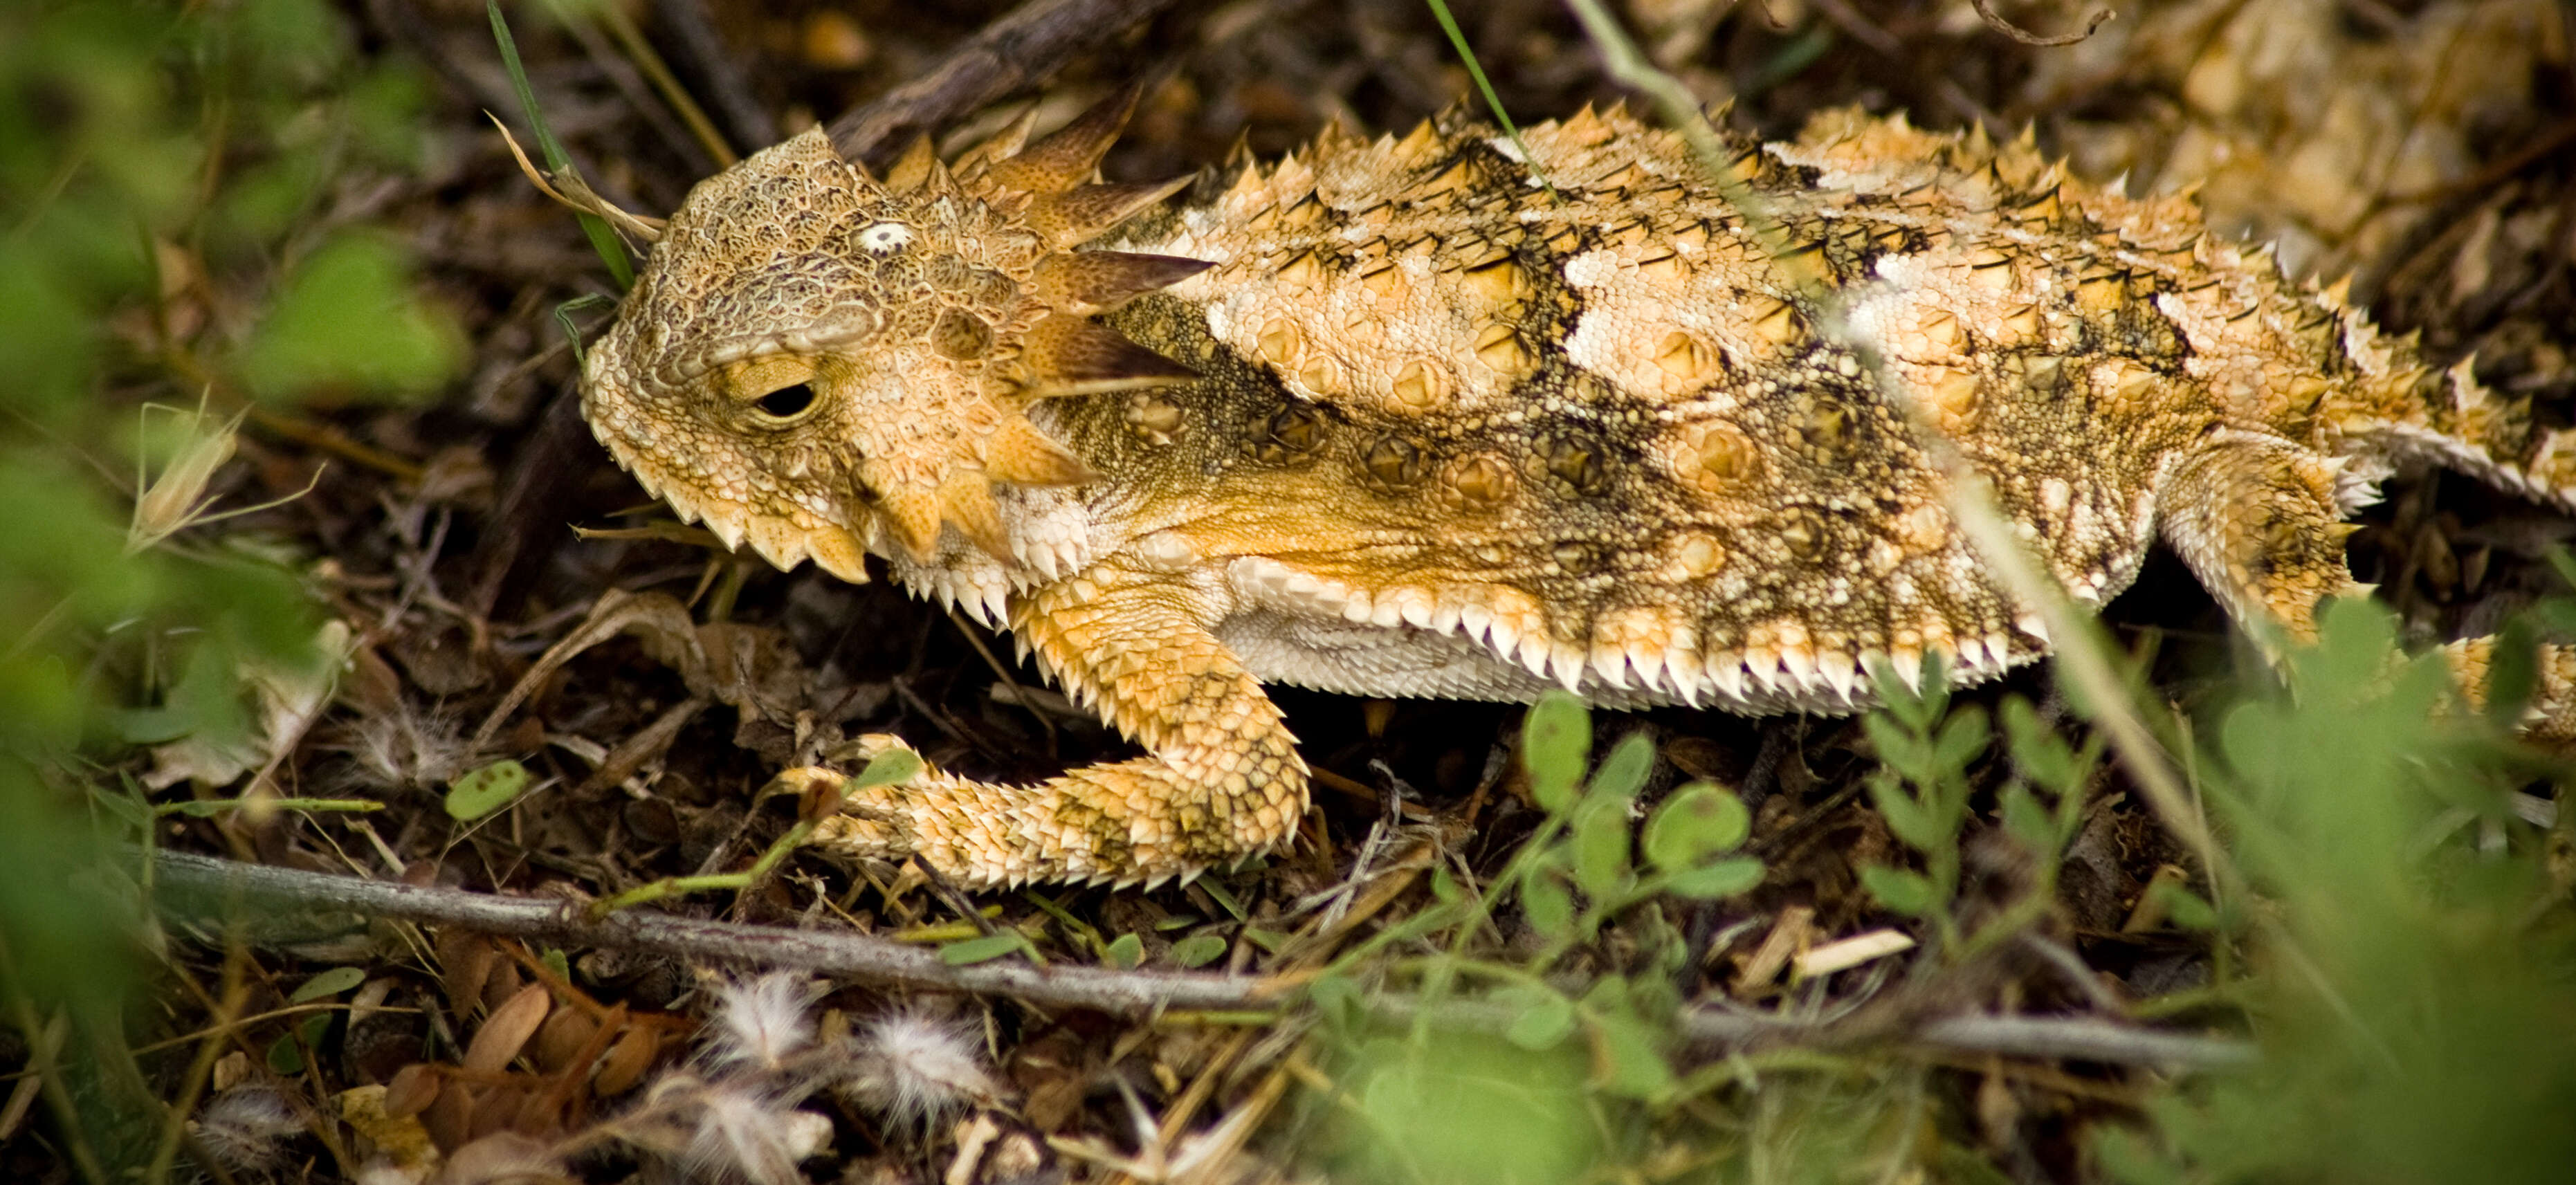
x: 170, y: 231
x: 1469, y: 1109
x: 351, y: 289
x: 2414, y: 962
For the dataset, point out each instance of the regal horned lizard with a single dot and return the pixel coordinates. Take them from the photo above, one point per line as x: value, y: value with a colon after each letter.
x: 1389, y: 418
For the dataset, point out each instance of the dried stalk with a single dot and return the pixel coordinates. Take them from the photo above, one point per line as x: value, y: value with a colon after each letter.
x: 192, y: 884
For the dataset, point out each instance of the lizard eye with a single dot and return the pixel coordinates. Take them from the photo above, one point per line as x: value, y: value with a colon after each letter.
x: 787, y: 403
x: 773, y: 390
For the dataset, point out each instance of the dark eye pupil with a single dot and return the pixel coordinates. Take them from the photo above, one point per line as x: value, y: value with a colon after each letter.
x: 788, y: 401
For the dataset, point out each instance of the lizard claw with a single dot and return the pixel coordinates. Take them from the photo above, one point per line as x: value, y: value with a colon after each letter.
x: 873, y: 818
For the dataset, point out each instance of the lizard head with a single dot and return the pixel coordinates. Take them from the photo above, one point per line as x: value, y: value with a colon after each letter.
x: 823, y: 363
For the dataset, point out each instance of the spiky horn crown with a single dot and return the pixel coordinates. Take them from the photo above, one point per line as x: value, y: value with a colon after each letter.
x: 813, y: 357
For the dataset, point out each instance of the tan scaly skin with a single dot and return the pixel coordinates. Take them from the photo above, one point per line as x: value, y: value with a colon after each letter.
x: 1400, y: 423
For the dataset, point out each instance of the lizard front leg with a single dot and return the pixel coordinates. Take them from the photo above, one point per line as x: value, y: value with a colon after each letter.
x: 1221, y: 778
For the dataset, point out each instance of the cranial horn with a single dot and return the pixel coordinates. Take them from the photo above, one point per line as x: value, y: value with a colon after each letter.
x: 1081, y: 214
x: 1018, y: 452
x: 1001, y: 145
x: 912, y: 169
x: 966, y: 501
x: 1067, y: 354
x: 1096, y: 281
x: 1067, y: 156
x: 913, y: 516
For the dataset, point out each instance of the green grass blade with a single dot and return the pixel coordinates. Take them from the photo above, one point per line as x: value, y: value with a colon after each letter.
x: 1458, y: 41
x: 603, y: 240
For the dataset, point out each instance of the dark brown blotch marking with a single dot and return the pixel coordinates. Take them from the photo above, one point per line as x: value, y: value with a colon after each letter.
x: 1393, y: 464
x: 1572, y: 465
x: 1292, y: 433
x: 1481, y: 481
x: 1576, y: 557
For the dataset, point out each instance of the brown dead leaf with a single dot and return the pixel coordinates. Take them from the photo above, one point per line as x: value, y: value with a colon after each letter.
x: 411, y: 1092
x: 290, y: 699
x: 449, y: 1119
x: 465, y: 962
x: 507, y: 1030
x: 560, y: 1040
x: 499, y: 1157
x: 627, y: 1061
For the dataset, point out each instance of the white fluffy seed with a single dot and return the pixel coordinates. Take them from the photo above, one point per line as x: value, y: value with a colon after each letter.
x: 747, y: 1136
x: 759, y: 1023
x: 246, y: 1128
x: 911, y: 1068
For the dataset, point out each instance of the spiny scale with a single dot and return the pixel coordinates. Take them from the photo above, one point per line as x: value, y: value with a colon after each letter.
x: 1389, y: 417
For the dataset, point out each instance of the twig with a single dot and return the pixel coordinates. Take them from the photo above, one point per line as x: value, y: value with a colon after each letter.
x: 1859, y: 27
x: 2071, y: 967
x: 209, y: 882
x: 2083, y: 1039
x: 1986, y: 10
x: 1007, y: 55
x: 1019, y: 695
x: 192, y: 1087
x: 696, y: 143
x: 2044, y: 1037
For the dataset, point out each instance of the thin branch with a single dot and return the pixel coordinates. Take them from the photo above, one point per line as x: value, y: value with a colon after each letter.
x: 1006, y: 56
x: 44, y: 1061
x: 196, y: 884
x: 206, y: 883
x: 1985, y: 9
x: 2083, y: 1039
x: 631, y: 39
x: 1860, y: 28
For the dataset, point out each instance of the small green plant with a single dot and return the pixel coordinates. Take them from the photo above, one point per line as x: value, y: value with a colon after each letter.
x: 1586, y: 844
x: 817, y: 801
x: 1587, y: 872
x: 1922, y: 790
